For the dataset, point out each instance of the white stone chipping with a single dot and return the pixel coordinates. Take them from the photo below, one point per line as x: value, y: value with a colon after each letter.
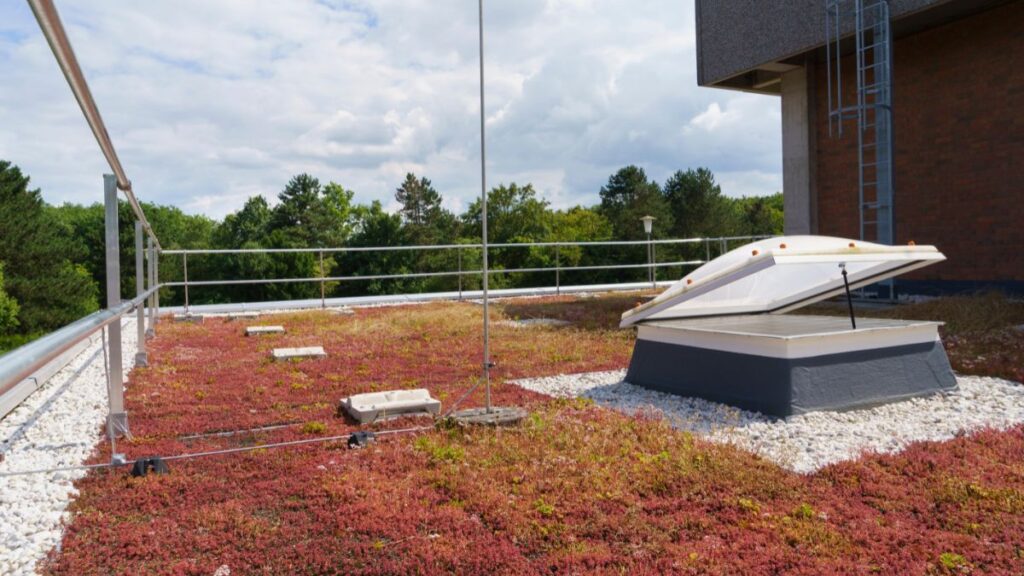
x: 808, y: 442
x: 57, y: 426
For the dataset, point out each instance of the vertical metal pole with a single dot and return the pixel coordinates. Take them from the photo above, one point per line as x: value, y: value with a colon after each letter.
x: 151, y: 270
x: 141, y: 357
x: 117, y: 418
x: 650, y: 270
x: 323, y: 302
x: 156, y: 282
x: 707, y: 250
x: 725, y: 246
x: 184, y: 269
x: 458, y: 251
x: 654, y: 265
x: 558, y: 271
x: 483, y: 205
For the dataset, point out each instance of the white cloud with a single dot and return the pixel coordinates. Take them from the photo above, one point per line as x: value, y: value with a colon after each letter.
x: 209, y: 101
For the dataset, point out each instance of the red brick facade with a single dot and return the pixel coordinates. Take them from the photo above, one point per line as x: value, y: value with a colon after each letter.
x: 958, y: 101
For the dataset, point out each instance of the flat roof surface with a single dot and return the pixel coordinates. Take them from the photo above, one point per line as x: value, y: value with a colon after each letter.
x: 784, y: 326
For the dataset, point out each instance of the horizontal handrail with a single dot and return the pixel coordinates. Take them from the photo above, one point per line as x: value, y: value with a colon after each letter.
x: 22, y: 362
x: 422, y: 274
x: 192, y: 251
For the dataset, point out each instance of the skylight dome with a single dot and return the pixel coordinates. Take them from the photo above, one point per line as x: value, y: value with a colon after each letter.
x: 780, y: 274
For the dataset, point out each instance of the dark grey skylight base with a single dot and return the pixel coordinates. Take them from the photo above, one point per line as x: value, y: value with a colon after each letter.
x: 788, y: 386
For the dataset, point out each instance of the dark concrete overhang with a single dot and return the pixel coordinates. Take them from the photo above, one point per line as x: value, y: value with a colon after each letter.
x: 748, y: 44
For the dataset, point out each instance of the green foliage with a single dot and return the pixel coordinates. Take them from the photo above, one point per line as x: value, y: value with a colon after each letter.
x: 543, y: 508
x: 8, y: 308
x: 12, y: 341
x: 425, y: 221
x: 748, y: 505
x: 629, y: 196
x: 60, y: 276
x: 514, y: 215
x: 438, y: 451
x: 35, y: 246
x: 513, y: 211
x: 84, y: 227
x: 314, y: 428
x: 375, y: 227
x: 804, y: 511
x: 699, y: 207
x: 311, y: 215
x: 760, y: 215
x: 952, y: 561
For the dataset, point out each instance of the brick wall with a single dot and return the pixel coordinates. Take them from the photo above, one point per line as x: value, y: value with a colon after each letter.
x: 958, y: 101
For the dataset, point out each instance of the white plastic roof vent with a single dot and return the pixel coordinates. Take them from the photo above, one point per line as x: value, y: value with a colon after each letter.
x: 780, y: 274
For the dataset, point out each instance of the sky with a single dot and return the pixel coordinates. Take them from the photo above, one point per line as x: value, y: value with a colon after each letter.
x: 209, y: 102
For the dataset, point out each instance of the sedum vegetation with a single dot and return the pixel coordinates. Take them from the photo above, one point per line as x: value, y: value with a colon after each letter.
x: 574, y: 489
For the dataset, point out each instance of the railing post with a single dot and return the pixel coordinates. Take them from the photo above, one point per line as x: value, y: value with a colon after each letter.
x: 141, y: 357
x: 558, y: 271
x: 707, y: 250
x: 151, y: 272
x: 184, y: 269
x: 117, y: 418
x: 323, y: 302
x: 654, y: 266
x: 724, y: 246
x: 650, y: 270
x: 459, y: 252
x: 156, y: 282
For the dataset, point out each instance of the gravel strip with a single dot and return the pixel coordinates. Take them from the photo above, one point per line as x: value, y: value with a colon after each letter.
x: 56, y: 426
x: 808, y: 442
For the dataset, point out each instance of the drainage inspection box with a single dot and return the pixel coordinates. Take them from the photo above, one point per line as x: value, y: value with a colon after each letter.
x: 722, y: 332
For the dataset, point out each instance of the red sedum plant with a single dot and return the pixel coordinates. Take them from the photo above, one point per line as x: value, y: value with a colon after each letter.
x: 574, y: 489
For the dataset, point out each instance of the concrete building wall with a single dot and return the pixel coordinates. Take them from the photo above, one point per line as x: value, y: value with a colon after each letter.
x: 734, y: 36
x: 799, y: 165
x: 959, y: 158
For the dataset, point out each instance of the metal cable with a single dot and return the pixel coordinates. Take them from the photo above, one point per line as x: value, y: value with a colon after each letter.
x: 223, y: 451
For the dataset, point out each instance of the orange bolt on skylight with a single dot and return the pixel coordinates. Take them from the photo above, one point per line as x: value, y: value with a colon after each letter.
x: 689, y: 281
x: 755, y: 253
x: 911, y: 243
x: 783, y: 245
x: 852, y: 245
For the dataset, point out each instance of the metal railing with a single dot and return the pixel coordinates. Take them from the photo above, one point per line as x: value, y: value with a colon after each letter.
x: 719, y: 245
x: 26, y: 368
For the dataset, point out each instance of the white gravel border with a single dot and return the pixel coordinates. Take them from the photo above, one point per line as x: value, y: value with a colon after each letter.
x: 808, y: 442
x: 57, y: 426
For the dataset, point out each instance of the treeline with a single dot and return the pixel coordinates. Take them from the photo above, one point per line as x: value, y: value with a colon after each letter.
x: 52, y: 257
